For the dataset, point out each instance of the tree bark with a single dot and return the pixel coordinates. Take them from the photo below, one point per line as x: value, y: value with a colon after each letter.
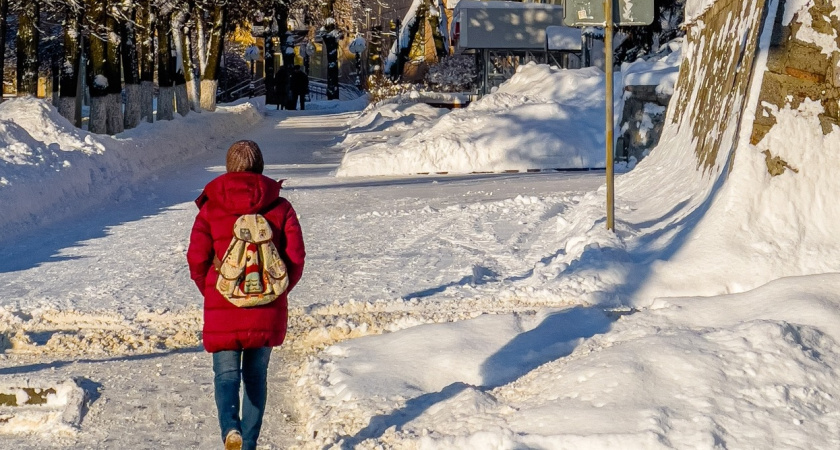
x: 215, y: 49
x: 4, y: 14
x: 131, y: 69
x: 146, y: 57
x: 166, y: 94
x: 188, y: 61
x: 177, y: 19
x: 113, y: 64
x: 434, y: 24
x: 96, y: 55
x: 69, y: 72
x: 28, y: 36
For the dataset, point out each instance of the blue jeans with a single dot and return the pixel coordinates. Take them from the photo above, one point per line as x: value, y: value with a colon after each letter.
x: 249, y: 367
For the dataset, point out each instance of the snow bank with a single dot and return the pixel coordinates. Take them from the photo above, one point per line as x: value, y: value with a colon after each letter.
x: 542, y: 118
x: 754, y: 369
x: 51, y: 170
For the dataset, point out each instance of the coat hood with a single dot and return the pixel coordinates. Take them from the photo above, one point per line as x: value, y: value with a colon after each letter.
x: 241, y: 192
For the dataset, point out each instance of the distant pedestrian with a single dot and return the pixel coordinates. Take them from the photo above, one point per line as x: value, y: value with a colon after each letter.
x: 281, y: 83
x: 241, y: 338
x: 300, y: 87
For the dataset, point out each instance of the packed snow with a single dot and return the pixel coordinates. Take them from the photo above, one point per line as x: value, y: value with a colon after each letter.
x: 467, y: 310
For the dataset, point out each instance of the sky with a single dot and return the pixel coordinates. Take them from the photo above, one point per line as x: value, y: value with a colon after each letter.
x: 438, y: 310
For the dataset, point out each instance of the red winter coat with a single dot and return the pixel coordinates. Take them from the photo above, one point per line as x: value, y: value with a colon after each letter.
x: 228, y: 327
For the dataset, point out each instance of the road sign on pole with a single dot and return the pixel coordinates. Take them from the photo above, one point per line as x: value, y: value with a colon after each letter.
x: 592, y: 13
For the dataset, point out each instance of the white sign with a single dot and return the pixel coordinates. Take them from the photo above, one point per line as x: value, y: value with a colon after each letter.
x: 358, y: 45
x: 252, y: 53
x: 308, y: 49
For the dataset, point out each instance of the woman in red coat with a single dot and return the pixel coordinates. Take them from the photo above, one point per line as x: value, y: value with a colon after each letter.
x: 241, y: 339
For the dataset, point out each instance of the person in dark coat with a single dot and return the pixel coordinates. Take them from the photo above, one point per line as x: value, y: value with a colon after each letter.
x: 241, y: 339
x: 300, y: 87
x: 281, y: 84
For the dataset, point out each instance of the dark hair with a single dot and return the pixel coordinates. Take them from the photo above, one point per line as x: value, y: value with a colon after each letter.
x: 297, y: 66
x: 244, y: 156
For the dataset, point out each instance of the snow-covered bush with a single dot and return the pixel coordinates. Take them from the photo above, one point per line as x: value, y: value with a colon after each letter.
x: 382, y: 87
x: 453, y: 74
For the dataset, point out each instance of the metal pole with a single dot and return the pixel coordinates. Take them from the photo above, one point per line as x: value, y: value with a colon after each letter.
x: 608, y: 52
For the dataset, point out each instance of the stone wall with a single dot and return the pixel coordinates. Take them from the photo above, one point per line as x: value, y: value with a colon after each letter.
x: 797, y: 70
x: 722, y: 43
x: 641, y: 121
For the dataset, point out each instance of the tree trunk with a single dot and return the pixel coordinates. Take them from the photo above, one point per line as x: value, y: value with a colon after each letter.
x: 4, y: 14
x: 434, y: 24
x: 166, y: 94
x: 28, y: 60
x: 146, y: 56
x: 331, y: 45
x: 177, y: 20
x: 212, y: 67
x: 113, y: 72
x: 131, y: 69
x: 188, y: 61
x: 96, y: 79
x: 69, y: 73
x: 55, y: 73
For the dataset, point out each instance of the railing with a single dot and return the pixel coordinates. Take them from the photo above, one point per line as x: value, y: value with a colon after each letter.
x: 255, y: 88
x: 248, y: 88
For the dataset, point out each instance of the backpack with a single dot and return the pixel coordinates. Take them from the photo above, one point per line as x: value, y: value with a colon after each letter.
x: 252, y: 272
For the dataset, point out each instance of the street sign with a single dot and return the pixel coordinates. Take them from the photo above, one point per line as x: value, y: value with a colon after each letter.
x: 308, y: 49
x: 358, y: 45
x: 590, y: 13
x: 252, y: 53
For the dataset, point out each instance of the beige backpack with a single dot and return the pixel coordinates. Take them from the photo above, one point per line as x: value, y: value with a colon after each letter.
x: 252, y: 272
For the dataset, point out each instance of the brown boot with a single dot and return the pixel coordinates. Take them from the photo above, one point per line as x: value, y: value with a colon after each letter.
x: 233, y: 440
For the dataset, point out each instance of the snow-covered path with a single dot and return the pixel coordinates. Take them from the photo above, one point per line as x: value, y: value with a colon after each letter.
x: 106, y: 296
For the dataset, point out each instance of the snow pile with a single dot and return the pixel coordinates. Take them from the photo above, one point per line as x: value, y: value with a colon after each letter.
x: 51, y: 407
x: 50, y: 170
x: 658, y: 70
x: 755, y: 369
x: 552, y: 118
x: 754, y: 364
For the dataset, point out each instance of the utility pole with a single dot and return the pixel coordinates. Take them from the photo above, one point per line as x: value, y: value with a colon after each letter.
x: 610, y: 126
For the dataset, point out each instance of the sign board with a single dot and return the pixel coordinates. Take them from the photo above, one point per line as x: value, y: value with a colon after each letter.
x: 590, y: 13
x: 568, y: 39
x: 358, y: 45
x: 308, y: 49
x: 504, y: 24
x: 252, y: 53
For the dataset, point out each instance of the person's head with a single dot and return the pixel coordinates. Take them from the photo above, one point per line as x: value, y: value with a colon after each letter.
x: 244, y: 156
x: 297, y: 67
